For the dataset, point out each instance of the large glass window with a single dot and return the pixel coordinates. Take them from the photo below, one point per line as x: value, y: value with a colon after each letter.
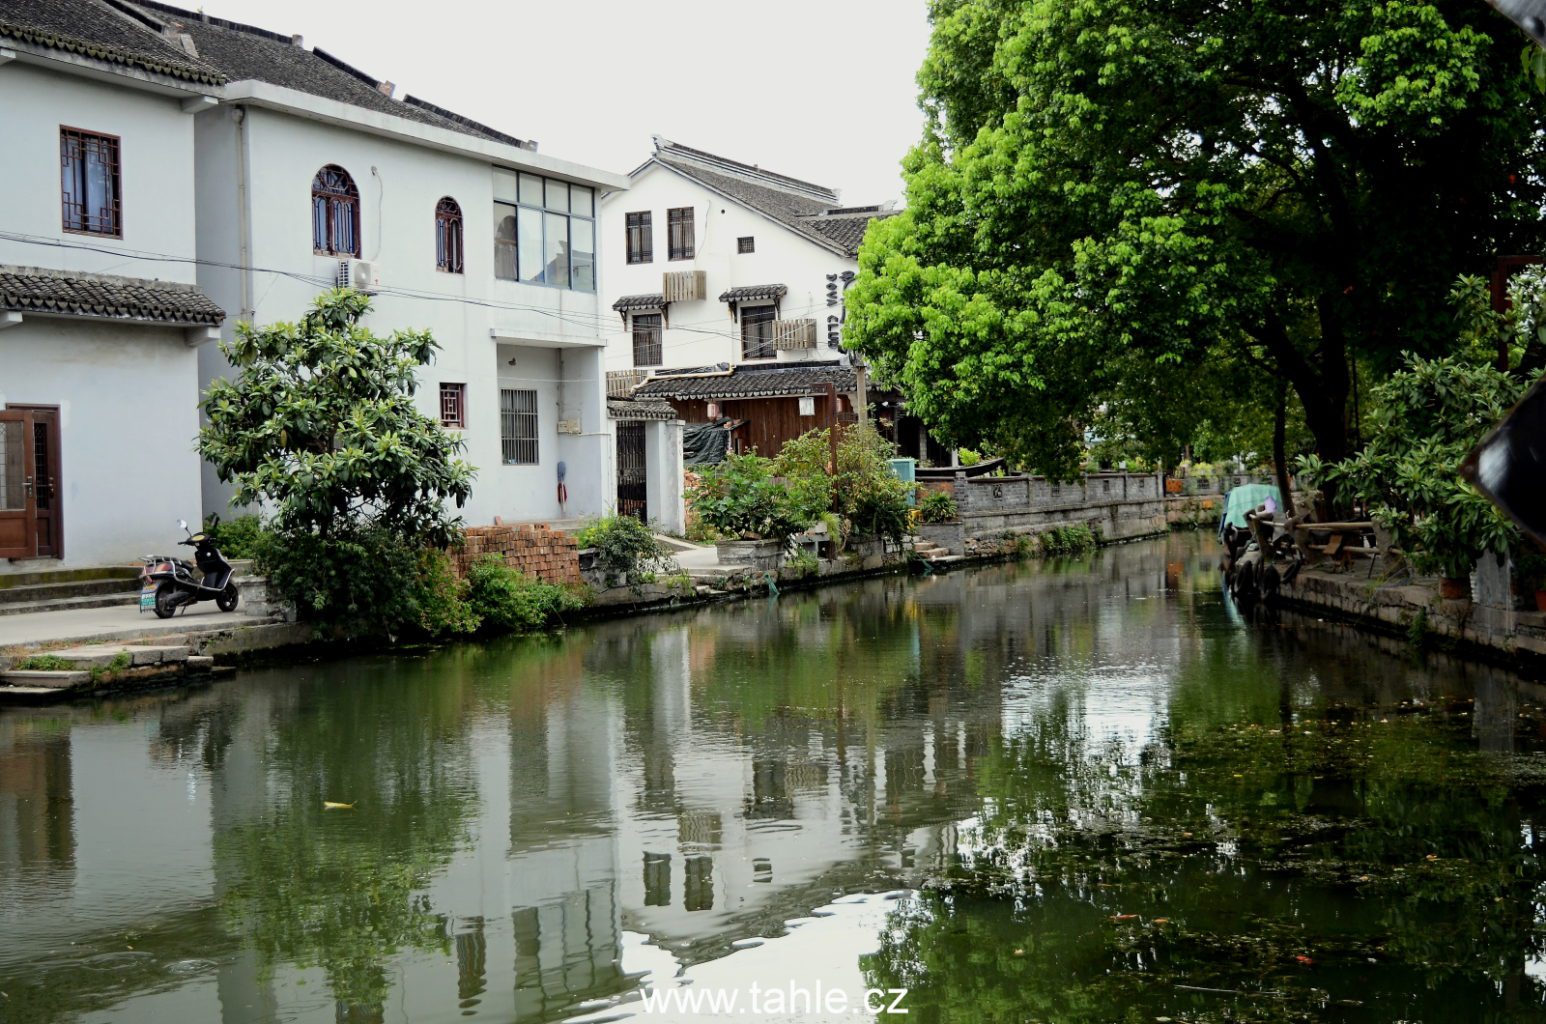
x: 89, y: 182
x: 646, y: 339
x: 757, y: 333
x: 335, y: 213
x: 544, y: 231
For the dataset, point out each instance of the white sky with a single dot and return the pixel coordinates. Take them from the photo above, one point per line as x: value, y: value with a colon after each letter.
x: 819, y: 89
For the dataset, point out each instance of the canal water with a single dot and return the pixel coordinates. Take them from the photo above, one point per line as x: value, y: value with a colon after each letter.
x: 1087, y: 790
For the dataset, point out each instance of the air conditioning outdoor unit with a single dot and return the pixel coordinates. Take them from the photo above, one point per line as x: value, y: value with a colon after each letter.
x: 357, y: 274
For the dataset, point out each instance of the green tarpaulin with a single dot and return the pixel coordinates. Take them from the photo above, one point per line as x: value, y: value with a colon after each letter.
x: 1244, y: 498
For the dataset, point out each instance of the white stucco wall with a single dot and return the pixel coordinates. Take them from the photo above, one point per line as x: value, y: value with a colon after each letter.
x: 127, y: 425
x: 702, y: 333
x: 126, y: 391
x: 156, y: 172
x: 475, y: 317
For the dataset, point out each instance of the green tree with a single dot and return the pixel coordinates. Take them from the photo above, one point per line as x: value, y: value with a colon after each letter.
x: 319, y: 426
x: 1113, y: 193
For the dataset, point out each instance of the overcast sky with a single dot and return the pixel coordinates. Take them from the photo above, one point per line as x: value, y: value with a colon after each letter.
x: 819, y: 89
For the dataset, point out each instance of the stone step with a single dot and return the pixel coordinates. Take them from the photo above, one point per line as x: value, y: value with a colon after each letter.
x: 128, y: 599
x: 91, y: 656
x: 33, y: 593
x: 31, y: 576
x: 53, y: 679
x: 27, y: 694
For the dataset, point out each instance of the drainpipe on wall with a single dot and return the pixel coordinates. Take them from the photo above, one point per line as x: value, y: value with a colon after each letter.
x: 244, y: 213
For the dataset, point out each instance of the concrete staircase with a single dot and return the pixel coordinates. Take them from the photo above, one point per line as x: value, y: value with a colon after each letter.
x: 42, y: 590
x: 931, y: 552
x: 55, y: 675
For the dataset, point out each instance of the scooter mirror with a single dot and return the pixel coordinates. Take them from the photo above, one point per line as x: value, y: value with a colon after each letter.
x: 182, y: 524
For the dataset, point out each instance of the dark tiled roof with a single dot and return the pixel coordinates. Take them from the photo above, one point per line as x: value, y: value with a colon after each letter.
x: 243, y: 52
x: 806, y: 209
x: 31, y: 290
x: 105, y: 32
x: 630, y: 302
x: 755, y: 382
x: 637, y: 409
x: 753, y: 292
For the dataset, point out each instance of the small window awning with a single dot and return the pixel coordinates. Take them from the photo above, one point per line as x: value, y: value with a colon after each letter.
x: 755, y: 293
x: 638, y: 303
x: 643, y: 409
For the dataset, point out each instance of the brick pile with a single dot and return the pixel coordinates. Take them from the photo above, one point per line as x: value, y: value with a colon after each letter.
x: 539, y: 551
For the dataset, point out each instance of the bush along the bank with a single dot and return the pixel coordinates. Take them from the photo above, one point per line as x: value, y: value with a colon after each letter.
x: 938, y: 507
x: 743, y: 498
x: 241, y: 537
x: 506, y: 600
x: 866, y: 492
x: 627, y: 551
x: 1075, y: 539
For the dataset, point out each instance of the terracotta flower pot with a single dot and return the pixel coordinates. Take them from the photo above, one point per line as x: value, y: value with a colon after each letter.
x: 1454, y: 588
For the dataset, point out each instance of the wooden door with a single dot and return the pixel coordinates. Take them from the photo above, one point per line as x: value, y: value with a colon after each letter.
x: 18, y: 504
x: 632, y: 490
x: 45, y: 481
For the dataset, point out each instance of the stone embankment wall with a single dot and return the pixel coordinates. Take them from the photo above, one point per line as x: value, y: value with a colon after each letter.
x: 539, y: 551
x: 993, y: 509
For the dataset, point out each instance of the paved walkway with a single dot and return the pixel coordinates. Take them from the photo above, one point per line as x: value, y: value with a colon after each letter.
x: 119, y: 622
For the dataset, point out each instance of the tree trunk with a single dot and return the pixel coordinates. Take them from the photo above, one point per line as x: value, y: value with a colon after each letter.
x: 1280, y: 448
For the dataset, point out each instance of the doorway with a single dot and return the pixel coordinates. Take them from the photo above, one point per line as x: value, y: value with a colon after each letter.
x: 632, y: 491
x: 30, y: 513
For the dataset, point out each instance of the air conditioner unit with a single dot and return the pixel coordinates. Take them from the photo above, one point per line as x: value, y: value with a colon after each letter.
x: 357, y: 274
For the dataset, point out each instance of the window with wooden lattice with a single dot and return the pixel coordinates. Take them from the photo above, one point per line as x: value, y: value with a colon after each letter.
x: 448, y: 236
x: 89, y: 183
x: 453, y: 406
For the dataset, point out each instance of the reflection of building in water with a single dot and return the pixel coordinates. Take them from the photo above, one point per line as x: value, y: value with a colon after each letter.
x: 37, y: 828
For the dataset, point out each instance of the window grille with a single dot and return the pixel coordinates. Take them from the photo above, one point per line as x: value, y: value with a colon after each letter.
x: 89, y: 183
x: 757, y: 332
x: 448, y: 236
x: 335, y: 213
x: 679, y: 227
x: 745, y: 244
x: 453, y: 405
x: 518, y: 426
x: 646, y: 339
x: 641, y: 238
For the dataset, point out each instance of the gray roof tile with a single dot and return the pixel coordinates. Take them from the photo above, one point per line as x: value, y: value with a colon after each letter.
x: 91, y: 28
x: 755, y: 382
x: 33, y: 290
x: 629, y: 302
x: 753, y: 292
x: 639, y: 409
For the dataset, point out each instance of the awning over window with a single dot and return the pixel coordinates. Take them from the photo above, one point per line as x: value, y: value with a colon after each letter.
x: 755, y: 293
x: 70, y: 294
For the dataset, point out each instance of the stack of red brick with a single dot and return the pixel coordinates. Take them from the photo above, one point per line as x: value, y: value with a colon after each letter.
x: 538, y: 551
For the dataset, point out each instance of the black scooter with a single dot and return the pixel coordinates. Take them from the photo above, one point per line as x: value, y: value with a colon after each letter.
x: 168, y: 583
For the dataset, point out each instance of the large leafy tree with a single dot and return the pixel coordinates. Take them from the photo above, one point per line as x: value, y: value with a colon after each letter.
x: 320, y: 427
x: 1112, y: 194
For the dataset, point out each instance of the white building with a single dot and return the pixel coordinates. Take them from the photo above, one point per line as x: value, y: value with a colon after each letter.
x: 100, y: 315
x: 311, y: 173
x: 728, y: 282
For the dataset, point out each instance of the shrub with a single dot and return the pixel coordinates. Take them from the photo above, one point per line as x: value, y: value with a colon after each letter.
x: 867, y: 492
x: 1068, y: 540
x: 938, y: 507
x: 356, y: 582
x: 626, y: 550
x: 439, y: 598
x: 505, y: 599
x: 802, y: 564
x: 804, y: 465
x: 241, y: 537
x: 967, y: 457
x: 741, y: 497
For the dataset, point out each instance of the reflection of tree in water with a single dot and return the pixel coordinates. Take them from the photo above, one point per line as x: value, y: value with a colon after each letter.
x: 1187, y: 879
x: 342, y: 889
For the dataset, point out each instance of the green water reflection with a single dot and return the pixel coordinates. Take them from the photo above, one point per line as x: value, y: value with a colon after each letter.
x: 1112, y: 798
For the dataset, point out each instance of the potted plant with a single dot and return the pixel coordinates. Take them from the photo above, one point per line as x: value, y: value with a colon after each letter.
x: 743, y: 499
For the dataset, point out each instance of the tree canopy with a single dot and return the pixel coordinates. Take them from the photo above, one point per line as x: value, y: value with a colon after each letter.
x: 320, y: 426
x: 1114, y: 198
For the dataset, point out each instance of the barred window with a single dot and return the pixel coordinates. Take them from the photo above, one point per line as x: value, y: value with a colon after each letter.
x: 335, y: 213
x: 89, y: 182
x: 646, y: 339
x: 453, y: 405
x: 745, y: 244
x: 641, y: 238
x: 757, y: 332
x: 448, y: 236
x: 518, y: 426
x: 679, y: 228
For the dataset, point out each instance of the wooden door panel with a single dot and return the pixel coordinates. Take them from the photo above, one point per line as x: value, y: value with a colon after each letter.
x: 18, y: 508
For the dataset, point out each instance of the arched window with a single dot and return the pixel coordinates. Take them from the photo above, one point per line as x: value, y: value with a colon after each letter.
x: 335, y: 213
x: 448, y: 236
